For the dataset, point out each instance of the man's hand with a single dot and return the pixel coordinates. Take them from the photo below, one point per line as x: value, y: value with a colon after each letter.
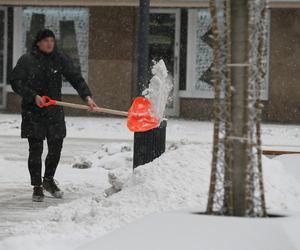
x: 90, y: 102
x: 39, y: 101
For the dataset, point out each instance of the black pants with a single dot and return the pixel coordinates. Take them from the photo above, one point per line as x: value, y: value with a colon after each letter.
x: 35, y: 159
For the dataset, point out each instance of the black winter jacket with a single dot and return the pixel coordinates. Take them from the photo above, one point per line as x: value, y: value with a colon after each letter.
x: 41, y: 74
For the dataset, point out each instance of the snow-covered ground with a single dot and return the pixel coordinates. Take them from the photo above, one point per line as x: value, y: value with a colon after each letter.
x: 282, y: 136
x: 177, y: 180
x: 187, y: 229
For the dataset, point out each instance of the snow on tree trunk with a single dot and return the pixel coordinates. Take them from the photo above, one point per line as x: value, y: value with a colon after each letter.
x: 239, y: 31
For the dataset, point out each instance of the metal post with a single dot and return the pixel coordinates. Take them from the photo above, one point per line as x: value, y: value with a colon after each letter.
x: 143, y: 47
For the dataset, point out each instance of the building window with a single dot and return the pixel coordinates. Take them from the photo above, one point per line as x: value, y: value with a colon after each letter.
x: 71, y: 27
x: 200, y: 58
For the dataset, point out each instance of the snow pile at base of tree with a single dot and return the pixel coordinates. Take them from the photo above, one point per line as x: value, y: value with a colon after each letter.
x: 179, y: 179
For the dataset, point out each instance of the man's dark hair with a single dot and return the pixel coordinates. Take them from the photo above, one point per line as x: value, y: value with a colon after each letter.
x: 42, y: 34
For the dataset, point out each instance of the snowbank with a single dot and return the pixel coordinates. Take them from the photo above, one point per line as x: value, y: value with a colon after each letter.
x: 291, y: 163
x: 188, y: 230
x: 179, y: 179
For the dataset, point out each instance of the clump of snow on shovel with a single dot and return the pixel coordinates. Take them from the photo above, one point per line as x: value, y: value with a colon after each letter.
x: 159, y: 89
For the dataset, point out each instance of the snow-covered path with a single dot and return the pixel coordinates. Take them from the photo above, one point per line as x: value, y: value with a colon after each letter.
x: 15, y: 195
x: 16, y: 206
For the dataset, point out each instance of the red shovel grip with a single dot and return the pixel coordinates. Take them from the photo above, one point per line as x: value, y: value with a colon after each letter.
x: 47, y: 101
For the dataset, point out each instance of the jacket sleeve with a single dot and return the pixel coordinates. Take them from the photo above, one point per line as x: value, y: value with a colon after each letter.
x: 74, y: 77
x: 18, y: 81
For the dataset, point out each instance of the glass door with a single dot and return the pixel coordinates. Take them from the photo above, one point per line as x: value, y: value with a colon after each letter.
x: 3, y: 54
x: 164, y: 44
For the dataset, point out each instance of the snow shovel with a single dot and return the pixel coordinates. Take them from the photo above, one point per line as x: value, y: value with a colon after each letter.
x: 139, y: 117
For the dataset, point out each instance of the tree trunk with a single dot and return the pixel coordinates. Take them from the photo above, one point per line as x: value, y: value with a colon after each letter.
x: 239, y: 56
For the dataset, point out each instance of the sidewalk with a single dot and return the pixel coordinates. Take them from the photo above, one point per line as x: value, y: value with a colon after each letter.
x: 15, y: 196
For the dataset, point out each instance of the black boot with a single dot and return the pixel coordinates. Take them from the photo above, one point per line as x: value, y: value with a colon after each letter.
x: 51, y: 187
x: 38, y: 194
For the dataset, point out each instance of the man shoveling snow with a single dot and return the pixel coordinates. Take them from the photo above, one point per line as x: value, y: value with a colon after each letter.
x: 36, y: 74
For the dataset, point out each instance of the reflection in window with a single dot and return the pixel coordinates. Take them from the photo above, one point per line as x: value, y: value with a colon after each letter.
x: 70, y: 26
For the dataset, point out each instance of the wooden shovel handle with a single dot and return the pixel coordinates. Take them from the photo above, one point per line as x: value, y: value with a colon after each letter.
x: 97, y: 110
x: 49, y: 101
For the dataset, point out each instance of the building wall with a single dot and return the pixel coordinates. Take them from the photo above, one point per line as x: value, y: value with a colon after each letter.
x: 284, y: 85
x: 111, y: 59
x: 283, y: 104
x: 112, y: 54
x: 200, y: 109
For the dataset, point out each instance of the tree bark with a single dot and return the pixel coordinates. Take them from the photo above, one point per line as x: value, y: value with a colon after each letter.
x: 239, y: 57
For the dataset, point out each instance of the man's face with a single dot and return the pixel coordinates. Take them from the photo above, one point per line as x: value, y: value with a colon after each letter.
x: 46, y: 45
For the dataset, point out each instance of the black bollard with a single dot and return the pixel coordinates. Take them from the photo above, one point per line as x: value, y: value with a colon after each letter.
x: 149, y: 145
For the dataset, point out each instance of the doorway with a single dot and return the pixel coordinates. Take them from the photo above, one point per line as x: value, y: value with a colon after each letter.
x: 164, y: 43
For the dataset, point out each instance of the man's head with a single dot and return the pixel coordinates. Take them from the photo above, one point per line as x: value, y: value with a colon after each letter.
x: 45, y: 41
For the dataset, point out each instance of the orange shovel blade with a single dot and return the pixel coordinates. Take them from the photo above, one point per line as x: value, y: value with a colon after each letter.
x: 140, y: 116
